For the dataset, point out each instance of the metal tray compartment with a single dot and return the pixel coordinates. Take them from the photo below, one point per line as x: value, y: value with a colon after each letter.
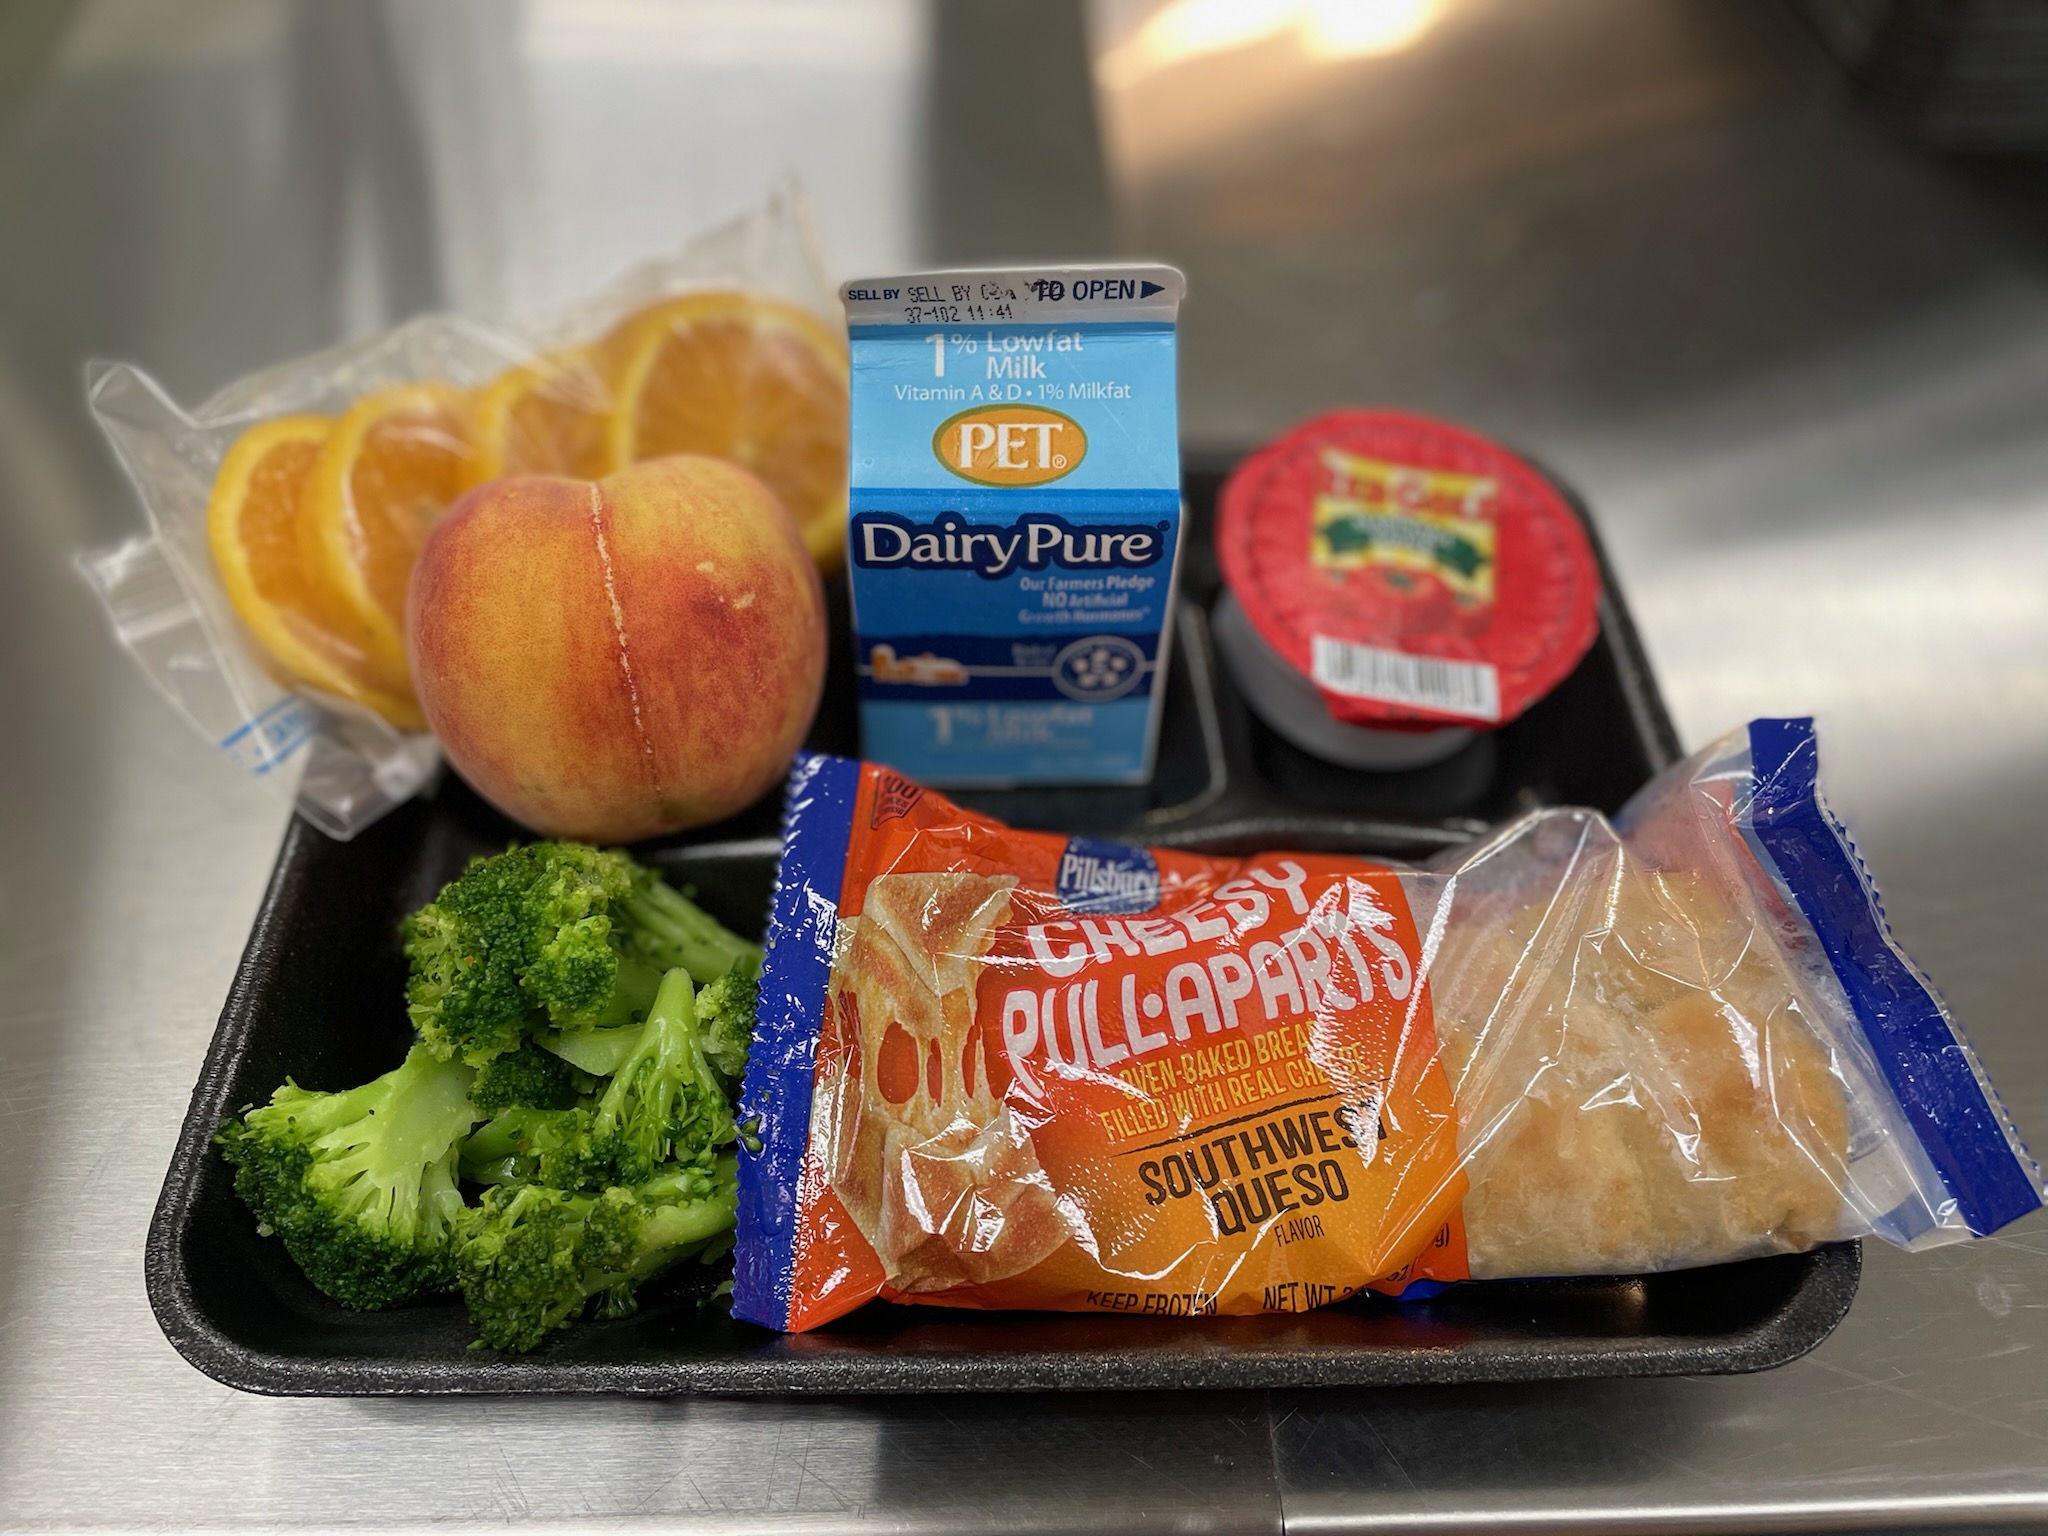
x: 318, y: 997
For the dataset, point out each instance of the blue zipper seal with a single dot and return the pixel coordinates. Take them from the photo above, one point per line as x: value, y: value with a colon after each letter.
x: 1929, y: 1067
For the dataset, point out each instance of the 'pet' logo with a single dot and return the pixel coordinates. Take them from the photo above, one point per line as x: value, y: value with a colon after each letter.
x: 1010, y: 444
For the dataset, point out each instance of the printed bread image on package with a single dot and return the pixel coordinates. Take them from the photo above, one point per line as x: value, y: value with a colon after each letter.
x: 930, y: 1167
x: 997, y: 1068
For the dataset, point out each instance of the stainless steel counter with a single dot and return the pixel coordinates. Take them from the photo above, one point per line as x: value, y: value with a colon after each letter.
x: 1798, y: 369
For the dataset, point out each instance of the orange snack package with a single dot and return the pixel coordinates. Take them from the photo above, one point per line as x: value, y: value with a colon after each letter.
x: 1008, y: 1069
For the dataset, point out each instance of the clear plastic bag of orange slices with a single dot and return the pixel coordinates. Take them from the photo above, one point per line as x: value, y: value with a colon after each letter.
x: 266, y: 602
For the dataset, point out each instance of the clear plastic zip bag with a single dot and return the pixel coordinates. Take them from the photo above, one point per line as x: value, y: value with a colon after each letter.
x: 265, y: 601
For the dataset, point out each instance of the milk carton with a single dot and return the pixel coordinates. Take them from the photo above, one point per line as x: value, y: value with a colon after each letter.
x: 1015, y: 506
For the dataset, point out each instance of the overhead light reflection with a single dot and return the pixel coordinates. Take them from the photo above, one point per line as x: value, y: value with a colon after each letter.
x: 1325, y: 30
x: 1187, y: 29
x: 1351, y: 29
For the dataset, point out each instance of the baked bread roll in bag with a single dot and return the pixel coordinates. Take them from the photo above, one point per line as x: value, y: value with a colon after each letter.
x: 1637, y: 1083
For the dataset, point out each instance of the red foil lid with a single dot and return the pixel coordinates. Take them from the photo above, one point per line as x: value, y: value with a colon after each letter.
x: 1418, y: 574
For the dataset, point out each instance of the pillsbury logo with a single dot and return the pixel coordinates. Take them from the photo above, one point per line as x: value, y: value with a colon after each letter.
x: 886, y: 541
x: 1114, y: 879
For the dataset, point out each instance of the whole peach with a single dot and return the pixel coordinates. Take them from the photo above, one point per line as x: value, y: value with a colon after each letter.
x: 615, y: 659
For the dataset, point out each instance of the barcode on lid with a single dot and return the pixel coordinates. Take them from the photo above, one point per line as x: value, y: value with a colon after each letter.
x: 1393, y: 677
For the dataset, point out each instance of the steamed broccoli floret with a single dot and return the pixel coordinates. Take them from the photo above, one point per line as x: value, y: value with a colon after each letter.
x: 670, y: 930
x: 360, y: 1185
x: 531, y: 1077
x: 725, y: 1020
x: 635, y: 1233
x: 514, y: 933
x: 523, y: 1145
x: 551, y: 935
x: 531, y: 1259
x: 665, y: 1103
x: 519, y: 1263
x: 595, y: 1051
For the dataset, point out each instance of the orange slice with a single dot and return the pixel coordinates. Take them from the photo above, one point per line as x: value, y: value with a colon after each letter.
x: 387, y: 472
x: 547, y: 418
x: 270, y: 565
x: 739, y: 377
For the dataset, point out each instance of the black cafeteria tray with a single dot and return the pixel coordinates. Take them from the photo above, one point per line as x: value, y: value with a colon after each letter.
x: 318, y: 997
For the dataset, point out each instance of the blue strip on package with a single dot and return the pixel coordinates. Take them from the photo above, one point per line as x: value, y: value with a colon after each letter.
x: 1927, y: 1064
x: 775, y: 1100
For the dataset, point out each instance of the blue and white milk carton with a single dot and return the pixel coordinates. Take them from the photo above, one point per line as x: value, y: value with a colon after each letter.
x: 1015, y: 506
